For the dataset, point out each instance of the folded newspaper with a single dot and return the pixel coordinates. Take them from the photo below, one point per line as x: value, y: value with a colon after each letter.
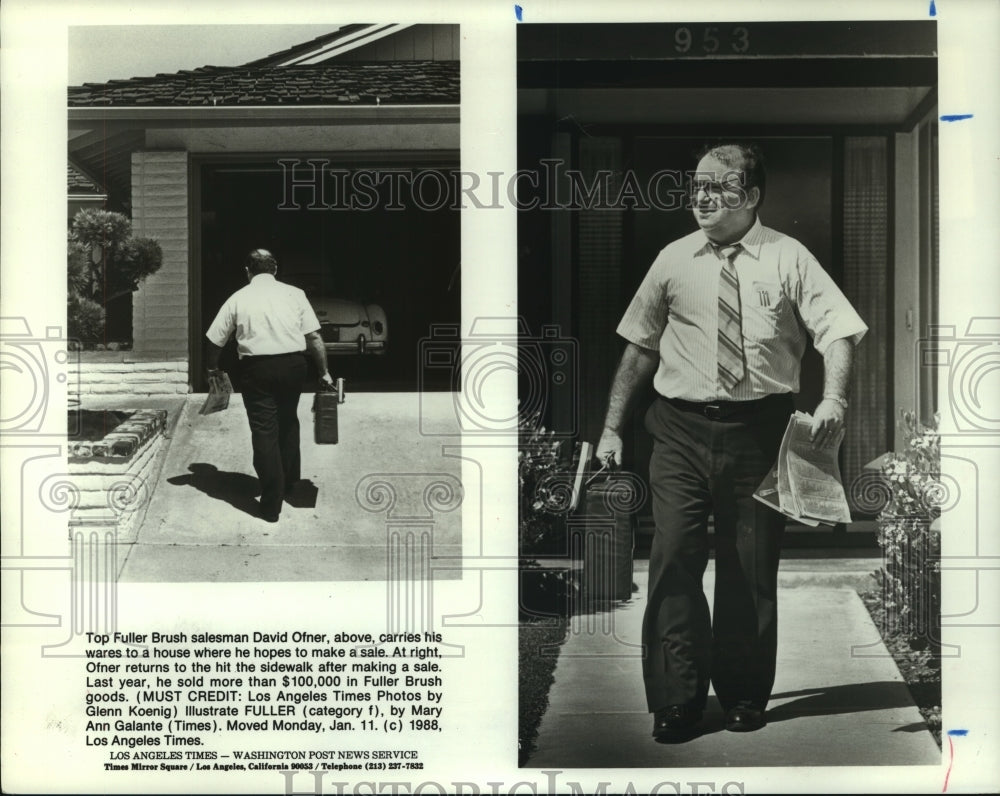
x: 805, y: 484
x: 219, y: 390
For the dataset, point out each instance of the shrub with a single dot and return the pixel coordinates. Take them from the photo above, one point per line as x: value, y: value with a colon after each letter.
x: 85, y: 319
x: 104, y: 261
x: 539, y: 459
x: 139, y: 258
x: 910, y: 578
x: 77, y: 268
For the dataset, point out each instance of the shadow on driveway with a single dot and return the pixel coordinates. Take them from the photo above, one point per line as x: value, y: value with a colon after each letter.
x: 236, y: 489
x: 837, y: 699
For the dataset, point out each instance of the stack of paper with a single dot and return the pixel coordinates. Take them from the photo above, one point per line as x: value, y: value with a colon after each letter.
x: 219, y: 390
x: 805, y: 483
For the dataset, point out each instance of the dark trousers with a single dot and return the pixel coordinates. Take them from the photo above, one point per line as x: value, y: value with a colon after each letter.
x: 271, y: 387
x: 700, y: 466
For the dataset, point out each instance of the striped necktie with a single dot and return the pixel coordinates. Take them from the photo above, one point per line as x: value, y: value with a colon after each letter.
x: 732, y: 366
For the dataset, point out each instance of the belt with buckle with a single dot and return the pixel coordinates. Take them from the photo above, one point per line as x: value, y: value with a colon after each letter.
x: 723, y: 410
x: 250, y: 357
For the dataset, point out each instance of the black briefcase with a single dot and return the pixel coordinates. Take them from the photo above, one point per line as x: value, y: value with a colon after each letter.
x: 610, y: 501
x: 325, y: 425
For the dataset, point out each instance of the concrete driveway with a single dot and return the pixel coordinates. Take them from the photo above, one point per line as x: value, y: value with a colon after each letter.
x: 385, y: 488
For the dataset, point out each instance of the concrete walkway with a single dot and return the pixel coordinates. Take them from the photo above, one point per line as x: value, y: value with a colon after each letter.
x: 200, y: 524
x: 838, y: 699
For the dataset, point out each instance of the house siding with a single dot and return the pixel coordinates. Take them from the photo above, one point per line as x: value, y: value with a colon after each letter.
x: 420, y: 42
x: 160, y: 210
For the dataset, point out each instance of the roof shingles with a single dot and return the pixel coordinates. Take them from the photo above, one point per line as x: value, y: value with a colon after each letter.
x: 78, y: 183
x: 406, y: 83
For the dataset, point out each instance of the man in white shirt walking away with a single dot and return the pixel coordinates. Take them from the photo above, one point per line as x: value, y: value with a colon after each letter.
x: 275, y: 328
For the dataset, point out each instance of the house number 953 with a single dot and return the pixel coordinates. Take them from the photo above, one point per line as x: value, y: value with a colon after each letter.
x: 710, y: 40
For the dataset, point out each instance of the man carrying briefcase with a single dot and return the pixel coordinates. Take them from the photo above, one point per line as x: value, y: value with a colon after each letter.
x: 274, y: 326
x: 719, y: 325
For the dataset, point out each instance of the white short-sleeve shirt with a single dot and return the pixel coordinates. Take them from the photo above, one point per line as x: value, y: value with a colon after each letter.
x: 267, y: 317
x: 784, y: 294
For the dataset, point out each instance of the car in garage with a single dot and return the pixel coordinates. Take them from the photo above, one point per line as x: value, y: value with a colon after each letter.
x: 348, y: 326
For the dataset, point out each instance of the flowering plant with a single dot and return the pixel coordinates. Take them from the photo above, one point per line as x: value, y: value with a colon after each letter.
x: 911, y: 575
x: 539, y: 457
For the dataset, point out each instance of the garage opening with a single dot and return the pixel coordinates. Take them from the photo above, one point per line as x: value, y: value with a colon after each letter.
x: 375, y: 246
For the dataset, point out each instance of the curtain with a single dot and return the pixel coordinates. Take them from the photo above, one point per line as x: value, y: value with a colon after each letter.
x: 867, y: 280
x: 599, y: 264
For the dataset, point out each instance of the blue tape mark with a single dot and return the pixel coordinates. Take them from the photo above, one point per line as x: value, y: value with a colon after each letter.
x: 956, y: 117
x: 518, y: 12
x: 933, y: 9
x: 958, y: 732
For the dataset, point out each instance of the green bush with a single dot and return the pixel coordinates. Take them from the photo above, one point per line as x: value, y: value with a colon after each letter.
x: 541, y: 494
x: 104, y: 261
x: 77, y: 268
x: 910, y: 578
x: 85, y: 319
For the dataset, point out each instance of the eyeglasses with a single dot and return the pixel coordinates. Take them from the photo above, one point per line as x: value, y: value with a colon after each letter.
x: 732, y: 185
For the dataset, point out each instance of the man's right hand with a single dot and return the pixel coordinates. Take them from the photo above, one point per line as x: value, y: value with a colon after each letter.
x: 610, y: 445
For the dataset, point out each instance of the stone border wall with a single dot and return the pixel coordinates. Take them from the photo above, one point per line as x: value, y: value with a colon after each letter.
x: 123, y: 374
x: 112, y: 491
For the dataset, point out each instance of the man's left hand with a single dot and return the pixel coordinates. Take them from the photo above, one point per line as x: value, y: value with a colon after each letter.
x: 828, y: 420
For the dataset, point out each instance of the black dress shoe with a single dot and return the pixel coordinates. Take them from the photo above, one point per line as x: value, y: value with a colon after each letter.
x: 676, y: 723
x: 268, y: 516
x: 745, y: 717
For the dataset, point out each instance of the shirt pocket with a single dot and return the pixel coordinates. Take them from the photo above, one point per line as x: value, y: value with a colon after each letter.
x: 765, y: 311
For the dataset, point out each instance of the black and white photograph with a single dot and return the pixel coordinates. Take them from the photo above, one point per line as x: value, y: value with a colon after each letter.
x: 279, y: 229
x: 737, y: 225
x: 499, y: 398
